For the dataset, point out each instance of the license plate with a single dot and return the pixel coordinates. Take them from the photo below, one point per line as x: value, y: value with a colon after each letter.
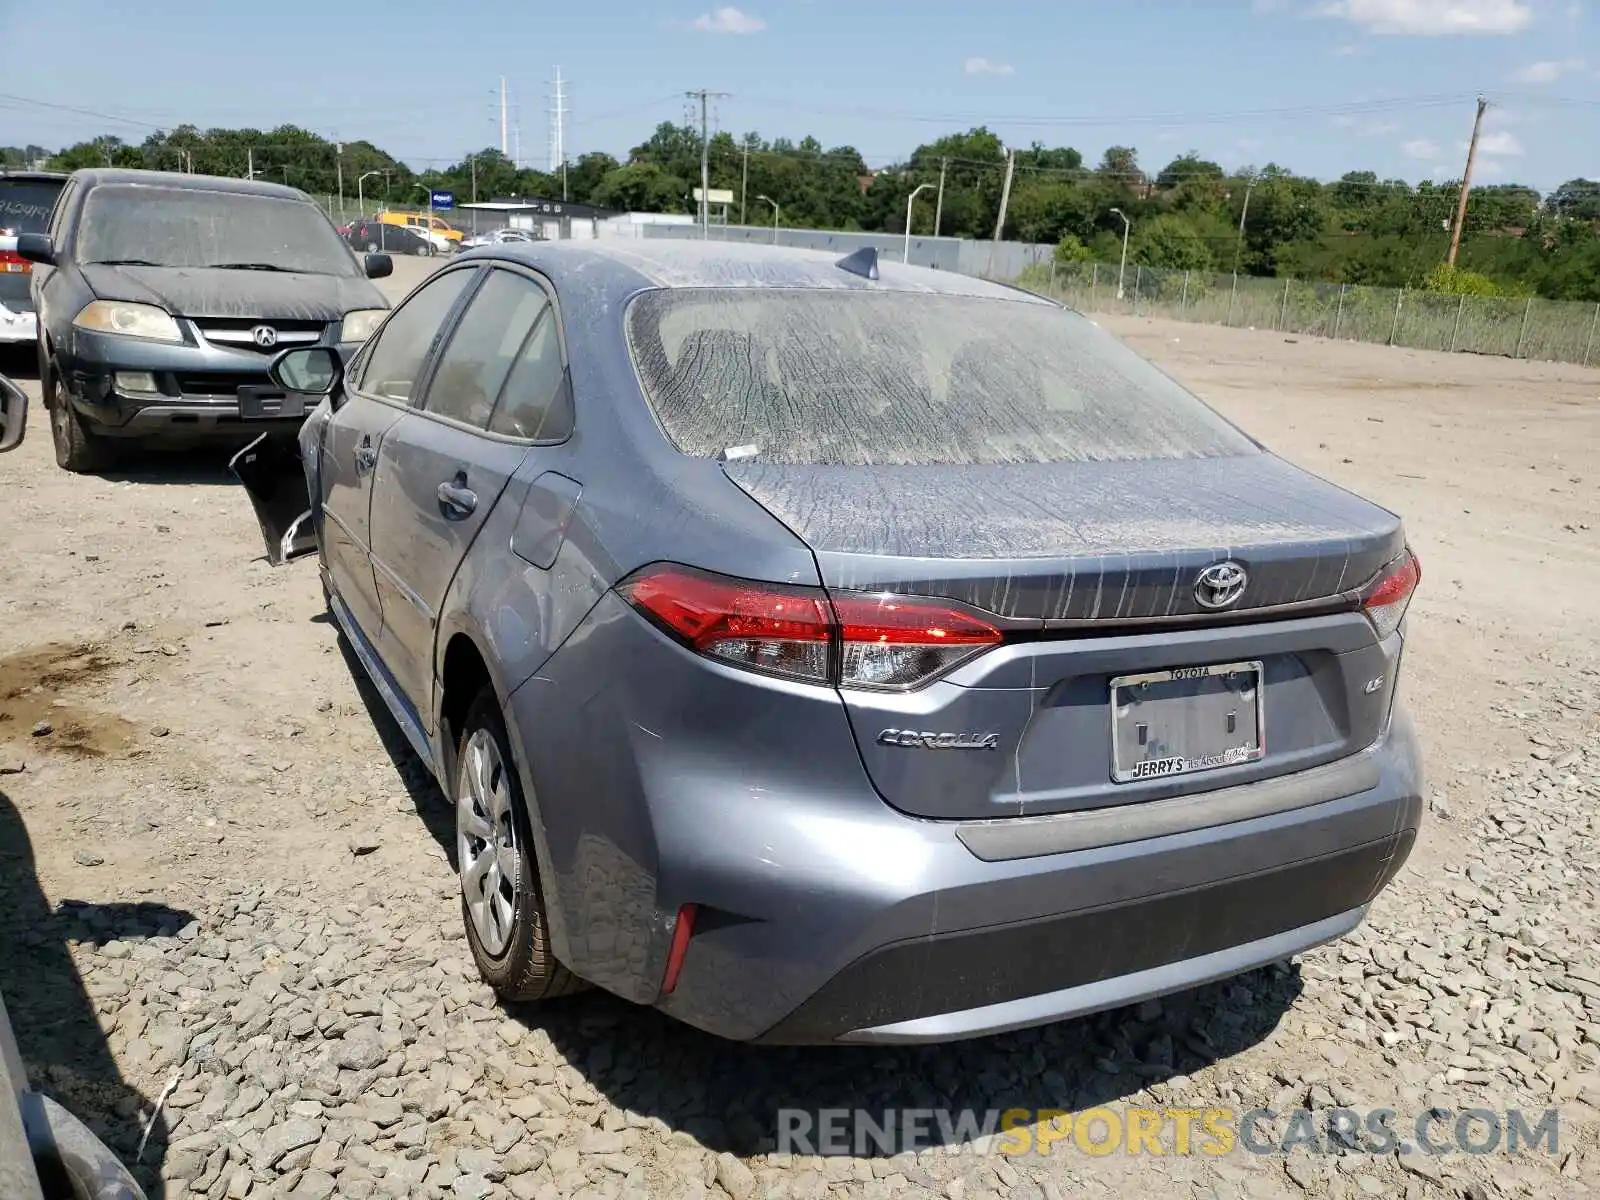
x: 1187, y: 719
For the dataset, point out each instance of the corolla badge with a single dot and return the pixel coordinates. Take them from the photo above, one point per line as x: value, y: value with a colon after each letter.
x: 939, y: 741
x: 1220, y: 585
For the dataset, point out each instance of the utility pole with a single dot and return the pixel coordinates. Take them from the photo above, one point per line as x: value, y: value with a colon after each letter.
x: 744, y: 188
x: 338, y: 159
x: 505, y: 147
x: 558, y: 130
x: 1466, y: 184
x: 250, y: 162
x: 1243, y: 212
x: 473, y: 160
x: 938, y: 208
x: 1005, y: 199
x: 705, y: 156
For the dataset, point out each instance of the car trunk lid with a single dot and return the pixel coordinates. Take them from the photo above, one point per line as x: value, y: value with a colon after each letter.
x: 1091, y: 569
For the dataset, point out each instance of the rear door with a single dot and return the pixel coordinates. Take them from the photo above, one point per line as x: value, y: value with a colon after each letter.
x: 383, y: 393
x: 442, y: 468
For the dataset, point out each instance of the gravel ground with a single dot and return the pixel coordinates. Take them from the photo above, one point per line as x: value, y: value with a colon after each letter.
x: 236, y: 936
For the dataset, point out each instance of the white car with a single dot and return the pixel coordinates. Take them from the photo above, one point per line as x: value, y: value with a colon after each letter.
x: 498, y: 237
x: 26, y: 198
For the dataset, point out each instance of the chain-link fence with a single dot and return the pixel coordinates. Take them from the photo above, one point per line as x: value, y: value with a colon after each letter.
x: 1555, y: 330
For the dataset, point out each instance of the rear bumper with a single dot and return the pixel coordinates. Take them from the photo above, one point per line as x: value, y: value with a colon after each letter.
x: 824, y: 915
x: 17, y: 327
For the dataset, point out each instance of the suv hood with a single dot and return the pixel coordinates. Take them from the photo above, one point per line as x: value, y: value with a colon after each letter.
x: 209, y: 292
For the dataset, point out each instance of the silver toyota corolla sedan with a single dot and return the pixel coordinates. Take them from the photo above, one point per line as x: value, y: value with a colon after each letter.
x: 826, y: 650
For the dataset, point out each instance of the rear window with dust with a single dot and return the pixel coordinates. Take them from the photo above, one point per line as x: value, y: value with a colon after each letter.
x: 197, y: 227
x: 857, y: 378
x: 25, y: 204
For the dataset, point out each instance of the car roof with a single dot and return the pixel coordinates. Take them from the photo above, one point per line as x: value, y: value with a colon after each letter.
x: 96, y: 176
x: 679, y: 262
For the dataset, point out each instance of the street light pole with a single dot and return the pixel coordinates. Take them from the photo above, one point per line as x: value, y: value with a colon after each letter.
x: 1123, y: 267
x: 774, y: 204
x: 905, y: 255
x: 360, y: 199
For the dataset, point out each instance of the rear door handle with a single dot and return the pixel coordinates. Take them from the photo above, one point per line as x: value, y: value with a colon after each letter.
x: 366, y: 456
x: 456, y: 499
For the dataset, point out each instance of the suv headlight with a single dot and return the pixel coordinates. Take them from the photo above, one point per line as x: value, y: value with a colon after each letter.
x: 128, y: 319
x: 359, y: 325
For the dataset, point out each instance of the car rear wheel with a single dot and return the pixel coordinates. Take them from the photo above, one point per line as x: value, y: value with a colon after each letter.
x: 372, y: 247
x: 77, y: 450
x: 500, y: 900
x: 424, y: 249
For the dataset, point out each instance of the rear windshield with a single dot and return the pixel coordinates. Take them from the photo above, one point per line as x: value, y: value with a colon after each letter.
x: 25, y: 204
x: 192, y: 227
x: 856, y: 378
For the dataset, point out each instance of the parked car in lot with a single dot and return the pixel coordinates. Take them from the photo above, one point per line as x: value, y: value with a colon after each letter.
x: 162, y: 299
x: 375, y: 237
x: 498, y: 237
x: 444, y: 237
x: 26, y: 198
x: 841, y: 651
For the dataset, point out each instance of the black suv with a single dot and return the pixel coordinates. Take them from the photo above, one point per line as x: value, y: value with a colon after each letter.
x: 162, y: 298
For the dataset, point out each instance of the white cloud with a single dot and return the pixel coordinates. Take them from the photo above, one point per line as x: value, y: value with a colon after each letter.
x: 1248, y: 145
x: 1367, y: 128
x: 1432, y: 18
x: 1348, y: 50
x: 1421, y: 148
x: 985, y: 66
x: 728, y: 20
x: 1547, y: 70
x: 1500, y: 142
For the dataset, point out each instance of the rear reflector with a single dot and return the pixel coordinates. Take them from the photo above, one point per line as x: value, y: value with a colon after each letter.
x: 682, y: 931
x: 877, y: 642
x: 1387, y: 597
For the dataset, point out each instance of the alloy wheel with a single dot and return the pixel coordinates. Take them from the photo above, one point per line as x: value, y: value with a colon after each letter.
x: 486, y: 842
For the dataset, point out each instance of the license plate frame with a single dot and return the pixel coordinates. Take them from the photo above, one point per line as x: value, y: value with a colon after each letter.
x: 1127, y: 767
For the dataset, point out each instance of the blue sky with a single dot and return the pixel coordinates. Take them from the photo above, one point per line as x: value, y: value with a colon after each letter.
x: 1320, y: 86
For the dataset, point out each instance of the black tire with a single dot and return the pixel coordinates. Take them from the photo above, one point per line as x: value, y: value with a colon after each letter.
x: 424, y: 250
x: 77, y: 450
x: 372, y: 247
x: 524, y: 969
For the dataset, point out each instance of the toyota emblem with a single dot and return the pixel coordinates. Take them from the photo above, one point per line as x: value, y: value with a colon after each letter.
x: 265, y: 336
x: 1220, y: 585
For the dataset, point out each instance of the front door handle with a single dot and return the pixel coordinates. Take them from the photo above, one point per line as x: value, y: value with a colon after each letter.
x: 456, y: 499
x: 366, y: 457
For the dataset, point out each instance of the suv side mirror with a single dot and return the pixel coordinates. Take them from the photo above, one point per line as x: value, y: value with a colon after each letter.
x: 36, y: 248
x: 309, y: 370
x: 379, y: 266
x: 13, y: 414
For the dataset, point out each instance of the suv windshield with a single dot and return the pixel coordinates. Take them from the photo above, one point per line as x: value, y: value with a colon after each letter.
x: 25, y: 204
x: 193, y: 227
x: 856, y: 378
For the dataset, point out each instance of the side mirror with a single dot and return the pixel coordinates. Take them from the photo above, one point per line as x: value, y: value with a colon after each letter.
x: 36, y: 248
x: 379, y: 266
x: 309, y: 370
x: 13, y: 414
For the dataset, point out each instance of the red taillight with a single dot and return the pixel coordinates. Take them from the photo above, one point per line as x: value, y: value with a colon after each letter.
x: 1386, y: 598
x: 861, y: 641
x: 13, y: 263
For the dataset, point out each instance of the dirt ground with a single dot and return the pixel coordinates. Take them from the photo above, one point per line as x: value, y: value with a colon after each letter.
x: 212, y: 759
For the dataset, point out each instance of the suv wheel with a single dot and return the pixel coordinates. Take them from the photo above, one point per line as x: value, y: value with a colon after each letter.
x: 77, y: 450
x: 500, y: 899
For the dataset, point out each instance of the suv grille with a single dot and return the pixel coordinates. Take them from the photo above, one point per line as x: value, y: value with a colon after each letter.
x: 238, y: 333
